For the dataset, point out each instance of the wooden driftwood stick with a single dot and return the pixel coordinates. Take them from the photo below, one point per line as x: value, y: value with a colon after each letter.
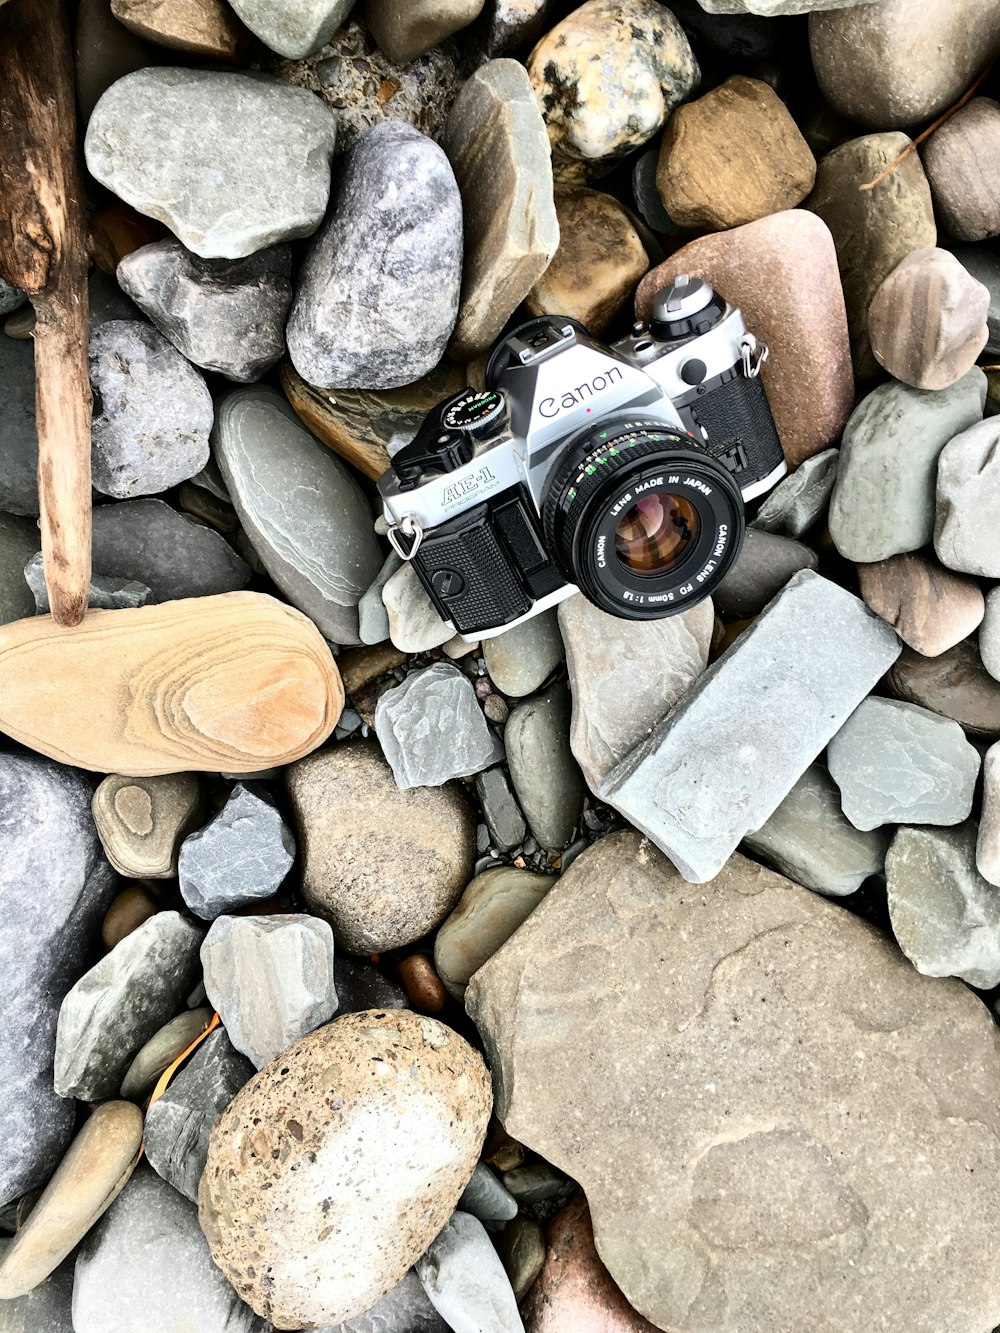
x: 43, y: 250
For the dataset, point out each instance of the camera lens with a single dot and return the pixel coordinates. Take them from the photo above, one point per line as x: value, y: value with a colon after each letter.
x: 640, y: 519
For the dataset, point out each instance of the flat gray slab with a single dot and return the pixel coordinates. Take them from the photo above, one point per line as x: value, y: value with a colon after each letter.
x: 723, y: 760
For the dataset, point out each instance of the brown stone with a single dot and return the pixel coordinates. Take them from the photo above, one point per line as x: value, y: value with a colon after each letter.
x: 422, y: 984
x: 501, y: 1150
x: 782, y: 272
x: 234, y: 683
x: 357, y: 424
x: 208, y: 507
x: 872, y: 229
x: 142, y: 821
x: 522, y: 1250
x: 200, y: 27
x: 116, y: 231
x: 405, y: 29
x: 773, y: 1115
x: 575, y: 1293
x: 927, y: 322
x: 954, y: 684
x: 962, y: 161
x: 731, y: 157
x: 599, y: 261
x: 929, y: 607
x: 360, y: 666
x: 129, y: 910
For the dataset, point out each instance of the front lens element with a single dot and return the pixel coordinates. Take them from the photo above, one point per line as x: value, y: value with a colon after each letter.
x: 656, y: 532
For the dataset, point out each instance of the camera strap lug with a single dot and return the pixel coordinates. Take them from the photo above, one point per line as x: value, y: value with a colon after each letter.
x: 409, y: 528
x: 753, y: 355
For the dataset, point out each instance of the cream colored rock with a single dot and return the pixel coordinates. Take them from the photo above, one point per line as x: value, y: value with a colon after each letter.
x: 141, y: 823
x: 229, y: 684
x: 336, y: 1166
x: 89, y: 1178
x: 200, y: 27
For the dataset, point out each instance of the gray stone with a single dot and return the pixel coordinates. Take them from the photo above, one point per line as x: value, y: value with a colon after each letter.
x: 500, y: 810
x: 405, y: 29
x: 45, y: 1309
x: 18, y: 541
x: 537, y: 1182
x: 989, y: 634
x: 360, y: 985
x: 988, y: 839
x: 484, y: 1197
x: 800, y: 500
x: 294, y: 28
x: 984, y: 266
x: 895, y: 64
x: 11, y: 298
x: 240, y: 857
x: 724, y: 1070
x: 465, y: 1280
x: 809, y: 839
x: 55, y: 886
x: 146, y: 1265
x: 954, y: 684
x: 145, y: 541
x: 506, y: 25
x: 945, y: 915
x: 224, y: 315
x: 162, y: 1049
x: 378, y: 290
x: 179, y: 1122
x: 897, y: 763
x: 764, y: 565
x: 152, y: 412
x: 431, y: 728
x: 659, y: 659
x: 404, y: 1309
x: 493, y: 906
x: 967, y: 531
x: 414, y: 623
x: 308, y: 519
x: 105, y: 51
x: 511, y: 227
x: 883, y: 499
x: 783, y: 689
x: 373, y: 618
x: 108, y: 301
x: 106, y: 593
x: 520, y: 659
x: 545, y: 775
x: 121, y: 1002
x: 962, y: 161
x: 19, y: 456
x: 231, y: 163
x: 270, y: 978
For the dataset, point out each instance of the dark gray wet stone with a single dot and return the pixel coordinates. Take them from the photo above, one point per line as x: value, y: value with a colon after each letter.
x: 152, y: 411
x: 811, y: 840
x: 106, y: 593
x: 294, y: 28
x: 944, y: 914
x: 465, y: 1280
x: 799, y: 501
x: 231, y: 163
x: 55, y: 885
x: 121, y: 1002
x: 404, y: 1309
x: 179, y: 1122
x: 19, y: 456
x: 378, y: 291
x: 544, y: 774
x: 171, y: 553
x: 11, y: 298
x: 270, y: 978
x: 146, y: 1266
x: 508, y: 25
x: 239, y: 857
x: 883, y: 501
x: 18, y: 542
x: 360, y: 985
x: 431, y: 728
x: 783, y: 689
x: 308, y: 519
x: 501, y: 811
x: 764, y: 565
x: 984, y: 266
x: 224, y: 315
x: 897, y: 763
x: 46, y: 1309
x: 486, y: 1198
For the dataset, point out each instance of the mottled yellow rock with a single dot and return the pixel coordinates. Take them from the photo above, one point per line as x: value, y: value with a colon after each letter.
x: 234, y: 683
x: 599, y: 261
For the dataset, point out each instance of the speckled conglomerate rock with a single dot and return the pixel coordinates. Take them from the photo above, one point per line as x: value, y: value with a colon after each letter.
x: 777, y: 1122
x: 333, y: 1170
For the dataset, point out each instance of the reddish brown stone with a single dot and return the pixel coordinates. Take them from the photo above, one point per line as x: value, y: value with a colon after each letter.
x: 422, y: 984
x: 962, y: 161
x: 118, y: 230
x: 929, y: 607
x: 129, y: 910
x: 574, y: 1292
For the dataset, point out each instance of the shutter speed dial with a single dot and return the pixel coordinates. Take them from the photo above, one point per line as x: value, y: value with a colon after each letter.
x: 474, y: 412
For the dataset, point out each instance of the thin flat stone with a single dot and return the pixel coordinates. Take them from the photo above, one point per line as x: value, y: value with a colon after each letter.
x: 799, y: 501
x: 897, y: 763
x: 696, y: 794
x: 106, y: 593
x: 500, y: 810
x: 545, y: 776
x: 486, y: 1198
x: 373, y: 618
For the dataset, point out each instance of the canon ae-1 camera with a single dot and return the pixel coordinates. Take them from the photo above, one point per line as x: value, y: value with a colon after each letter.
x: 620, y: 472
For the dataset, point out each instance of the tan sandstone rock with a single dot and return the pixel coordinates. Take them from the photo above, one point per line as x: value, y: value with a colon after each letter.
x: 200, y: 27
x: 777, y: 1122
x: 142, y: 822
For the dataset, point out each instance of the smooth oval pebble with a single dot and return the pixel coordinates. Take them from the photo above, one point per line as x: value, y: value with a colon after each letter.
x: 96, y: 1168
x: 333, y: 1170
x: 141, y: 824
x: 234, y: 683
x: 129, y: 910
x: 162, y: 1049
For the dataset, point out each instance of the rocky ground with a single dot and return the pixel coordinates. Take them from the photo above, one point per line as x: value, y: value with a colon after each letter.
x: 602, y: 976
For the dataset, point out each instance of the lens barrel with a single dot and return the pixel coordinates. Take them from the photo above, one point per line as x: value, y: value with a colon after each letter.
x: 640, y: 520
